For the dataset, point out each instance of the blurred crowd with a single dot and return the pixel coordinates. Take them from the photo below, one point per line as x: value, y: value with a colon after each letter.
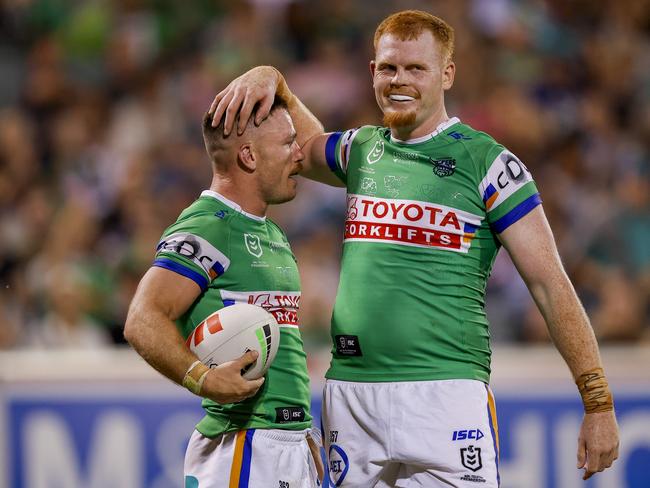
x: 100, y: 144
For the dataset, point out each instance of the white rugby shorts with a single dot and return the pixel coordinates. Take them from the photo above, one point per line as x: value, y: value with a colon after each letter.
x: 411, y: 434
x: 251, y: 458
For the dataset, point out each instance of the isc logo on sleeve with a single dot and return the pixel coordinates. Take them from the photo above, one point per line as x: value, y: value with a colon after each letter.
x: 460, y: 435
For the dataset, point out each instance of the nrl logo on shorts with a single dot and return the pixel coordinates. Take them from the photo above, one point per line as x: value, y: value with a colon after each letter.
x: 253, y: 245
x: 470, y: 457
x: 376, y: 153
x: 443, y: 167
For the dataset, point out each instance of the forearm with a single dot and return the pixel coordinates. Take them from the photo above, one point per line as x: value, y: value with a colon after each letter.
x: 567, y: 323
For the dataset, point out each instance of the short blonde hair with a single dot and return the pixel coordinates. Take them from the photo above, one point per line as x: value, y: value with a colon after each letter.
x: 409, y: 24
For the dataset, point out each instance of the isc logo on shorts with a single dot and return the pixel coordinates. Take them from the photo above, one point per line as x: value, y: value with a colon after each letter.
x: 460, y: 435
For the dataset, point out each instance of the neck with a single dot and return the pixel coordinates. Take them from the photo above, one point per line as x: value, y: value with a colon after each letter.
x: 426, y: 127
x: 239, y: 192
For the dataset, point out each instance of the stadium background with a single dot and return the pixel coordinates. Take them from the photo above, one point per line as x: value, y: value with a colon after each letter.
x: 100, y: 148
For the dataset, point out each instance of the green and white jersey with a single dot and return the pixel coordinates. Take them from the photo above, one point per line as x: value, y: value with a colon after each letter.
x: 420, y: 240
x: 238, y: 257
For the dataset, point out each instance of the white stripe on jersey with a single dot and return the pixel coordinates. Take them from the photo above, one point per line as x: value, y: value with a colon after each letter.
x: 506, y: 174
x: 196, y: 249
x: 346, y: 145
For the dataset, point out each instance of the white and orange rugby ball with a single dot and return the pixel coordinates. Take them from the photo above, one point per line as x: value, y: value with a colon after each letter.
x: 231, y: 331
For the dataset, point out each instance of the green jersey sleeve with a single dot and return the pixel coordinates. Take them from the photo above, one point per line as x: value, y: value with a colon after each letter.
x: 194, y: 250
x: 338, y: 149
x: 507, y: 189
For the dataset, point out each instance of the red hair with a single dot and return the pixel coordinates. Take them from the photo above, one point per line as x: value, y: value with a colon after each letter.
x: 409, y: 24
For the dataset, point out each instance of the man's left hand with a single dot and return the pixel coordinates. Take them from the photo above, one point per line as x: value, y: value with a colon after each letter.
x: 255, y: 87
x: 597, y: 443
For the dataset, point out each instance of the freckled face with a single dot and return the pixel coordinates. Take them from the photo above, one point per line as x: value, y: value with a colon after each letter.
x: 409, y: 79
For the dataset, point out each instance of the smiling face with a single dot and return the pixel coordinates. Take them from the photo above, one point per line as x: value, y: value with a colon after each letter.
x: 279, y: 158
x: 410, y: 77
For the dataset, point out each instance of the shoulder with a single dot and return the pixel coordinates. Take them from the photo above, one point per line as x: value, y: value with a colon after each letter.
x: 478, y: 142
x: 202, y: 229
x: 481, y: 148
x: 360, y: 135
x: 275, y: 228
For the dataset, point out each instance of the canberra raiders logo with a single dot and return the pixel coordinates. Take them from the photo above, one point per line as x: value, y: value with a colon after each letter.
x: 443, y: 167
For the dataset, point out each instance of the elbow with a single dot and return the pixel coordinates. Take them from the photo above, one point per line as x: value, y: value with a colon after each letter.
x: 130, y: 331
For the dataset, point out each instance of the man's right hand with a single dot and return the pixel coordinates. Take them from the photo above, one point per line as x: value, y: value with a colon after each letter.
x: 257, y: 86
x: 225, y: 384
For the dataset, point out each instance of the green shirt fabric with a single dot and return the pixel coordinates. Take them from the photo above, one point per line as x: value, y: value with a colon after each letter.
x: 420, y: 240
x: 236, y: 257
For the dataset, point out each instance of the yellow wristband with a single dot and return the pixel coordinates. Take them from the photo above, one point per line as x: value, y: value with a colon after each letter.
x: 594, y: 391
x: 195, y: 377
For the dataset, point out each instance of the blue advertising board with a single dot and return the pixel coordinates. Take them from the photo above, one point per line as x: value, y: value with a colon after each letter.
x: 131, y: 438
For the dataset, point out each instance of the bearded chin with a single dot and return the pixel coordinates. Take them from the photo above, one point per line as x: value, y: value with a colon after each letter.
x: 399, y: 119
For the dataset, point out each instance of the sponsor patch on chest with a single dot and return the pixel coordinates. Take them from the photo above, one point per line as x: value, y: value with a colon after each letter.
x: 283, y: 305
x: 409, y: 222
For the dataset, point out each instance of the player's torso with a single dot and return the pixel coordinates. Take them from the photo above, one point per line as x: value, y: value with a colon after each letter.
x: 417, y: 253
x: 262, y: 271
x: 429, y: 189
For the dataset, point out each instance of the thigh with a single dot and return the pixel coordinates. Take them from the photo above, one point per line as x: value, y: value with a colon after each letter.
x: 281, y: 459
x: 208, y: 462
x: 445, y: 433
x: 250, y: 458
x: 354, y: 433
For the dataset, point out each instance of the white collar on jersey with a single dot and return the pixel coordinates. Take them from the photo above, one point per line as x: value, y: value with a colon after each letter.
x: 443, y: 126
x: 231, y: 204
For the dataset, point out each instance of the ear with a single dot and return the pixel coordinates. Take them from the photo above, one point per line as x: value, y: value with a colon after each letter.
x: 247, y: 157
x: 448, y: 74
x: 373, y: 67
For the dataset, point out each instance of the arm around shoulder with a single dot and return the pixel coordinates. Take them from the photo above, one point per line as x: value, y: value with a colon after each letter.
x: 254, y: 91
x: 311, y: 138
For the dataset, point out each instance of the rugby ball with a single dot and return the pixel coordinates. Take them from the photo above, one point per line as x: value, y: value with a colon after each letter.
x: 232, y: 331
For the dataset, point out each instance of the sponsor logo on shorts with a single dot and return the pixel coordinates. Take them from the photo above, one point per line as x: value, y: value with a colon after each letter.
x: 460, y: 435
x: 473, y: 478
x: 283, y: 305
x: 285, y: 415
x: 338, y: 465
x: 470, y: 457
x: 409, y: 222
